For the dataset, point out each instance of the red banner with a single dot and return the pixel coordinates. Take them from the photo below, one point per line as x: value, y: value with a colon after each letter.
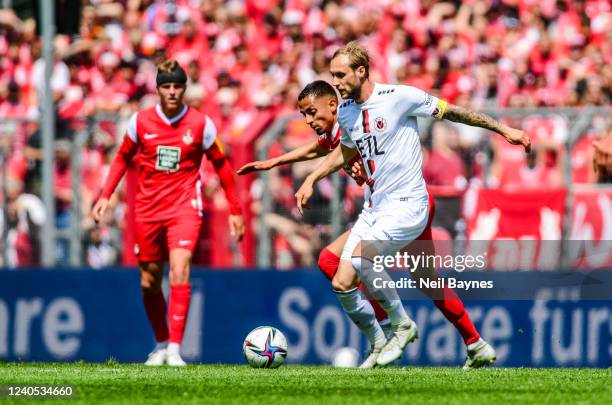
x: 518, y: 230
x: 590, y: 233
x: 517, y: 215
x: 522, y: 230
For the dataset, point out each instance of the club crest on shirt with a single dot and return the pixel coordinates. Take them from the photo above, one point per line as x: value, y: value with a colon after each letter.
x: 380, y: 124
x: 188, y: 138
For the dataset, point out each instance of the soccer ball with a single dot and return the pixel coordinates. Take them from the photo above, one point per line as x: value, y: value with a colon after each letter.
x: 265, y: 347
x: 346, y: 357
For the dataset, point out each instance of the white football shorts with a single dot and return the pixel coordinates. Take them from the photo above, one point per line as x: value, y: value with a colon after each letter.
x: 399, y: 223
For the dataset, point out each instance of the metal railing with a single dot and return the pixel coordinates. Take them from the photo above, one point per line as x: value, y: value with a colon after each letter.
x: 74, y: 233
x: 579, y: 119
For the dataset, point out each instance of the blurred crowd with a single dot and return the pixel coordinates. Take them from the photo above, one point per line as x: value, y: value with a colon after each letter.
x: 245, y: 57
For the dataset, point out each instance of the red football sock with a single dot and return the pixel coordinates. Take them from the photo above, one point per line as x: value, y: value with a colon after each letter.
x: 155, y: 306
x: 180, y: 295
x: 328, y: 264
x: 452, y: 308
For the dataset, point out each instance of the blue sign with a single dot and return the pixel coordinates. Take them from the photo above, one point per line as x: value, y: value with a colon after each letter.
x: 95, y: 315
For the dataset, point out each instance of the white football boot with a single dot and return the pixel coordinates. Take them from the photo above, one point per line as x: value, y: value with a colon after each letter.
x: 174, y: 360
x: 403, y: 334
x: 372, y: 357
x: 156, y: 358
x: 173, y: 356
x: 479, y: 354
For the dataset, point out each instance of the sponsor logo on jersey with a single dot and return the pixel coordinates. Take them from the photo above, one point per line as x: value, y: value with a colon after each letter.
x: 136, y: 249
x: 380, y: 124
x: 188, y: 138
x: 184, y: 242
x: 150, y: 136
x: 168, y: 158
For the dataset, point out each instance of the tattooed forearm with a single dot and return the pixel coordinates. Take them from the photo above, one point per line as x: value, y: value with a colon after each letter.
x: 473, y: 118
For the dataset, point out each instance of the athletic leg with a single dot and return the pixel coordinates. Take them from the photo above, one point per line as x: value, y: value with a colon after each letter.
x: 357, y: 308
x: 150, y: 252
x: 329, y: 260
x: 183, y: 232
x: 479, y: 352
x: 151, y: 275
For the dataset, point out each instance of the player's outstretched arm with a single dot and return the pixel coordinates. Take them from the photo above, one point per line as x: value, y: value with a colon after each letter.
x: 332, y: 163
x: 478, y: 119
x: 306, y: 152
x: 118, y: 168
x: 226, y: 177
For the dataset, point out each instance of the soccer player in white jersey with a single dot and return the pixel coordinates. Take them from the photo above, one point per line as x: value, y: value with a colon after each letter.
x: 378, y: 122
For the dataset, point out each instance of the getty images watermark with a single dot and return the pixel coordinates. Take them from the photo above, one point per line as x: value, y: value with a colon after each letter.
x: 425, y: 262
x: 484, y: 270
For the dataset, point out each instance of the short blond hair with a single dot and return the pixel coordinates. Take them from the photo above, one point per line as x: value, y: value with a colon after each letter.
x: 357, y: 54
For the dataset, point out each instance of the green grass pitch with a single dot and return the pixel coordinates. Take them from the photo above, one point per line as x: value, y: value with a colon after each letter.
x: 131, y: 383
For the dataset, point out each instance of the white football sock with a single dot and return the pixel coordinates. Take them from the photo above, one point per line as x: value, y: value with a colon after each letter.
x: 474, y: 345
x: 384, y: 322
x: 386, y: 297
x: 395, y: 309
x: 161, y: 345
x: 174, y: 348
x: 360, y: 311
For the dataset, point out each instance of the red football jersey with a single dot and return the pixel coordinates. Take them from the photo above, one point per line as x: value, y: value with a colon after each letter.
x: 170, y: 154
x: 332, y: 139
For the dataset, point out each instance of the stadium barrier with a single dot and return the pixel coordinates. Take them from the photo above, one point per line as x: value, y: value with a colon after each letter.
x: 572, y: 127
x: 97, y: 315
x: 570, y: 130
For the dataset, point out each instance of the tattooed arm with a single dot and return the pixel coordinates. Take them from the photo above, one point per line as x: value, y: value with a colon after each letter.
x: 477, y: 119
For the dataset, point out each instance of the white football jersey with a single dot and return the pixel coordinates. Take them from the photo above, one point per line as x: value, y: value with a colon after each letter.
x: 384, y: 130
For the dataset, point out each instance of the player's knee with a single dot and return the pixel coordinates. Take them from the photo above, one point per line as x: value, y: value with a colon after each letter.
x: 149, y: 283
x: 342, y: 284
x: 328, y: 263
x: 179, y: 273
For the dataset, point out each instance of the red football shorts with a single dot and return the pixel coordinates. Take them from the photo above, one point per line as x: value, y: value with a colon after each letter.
x: 155, y: 239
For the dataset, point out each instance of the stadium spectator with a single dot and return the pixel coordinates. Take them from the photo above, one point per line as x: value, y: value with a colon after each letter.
x: 99, y: 249
x: 481, y: 54
x: 443, y: 164
x: 63, y: 193
x: 25, y: 215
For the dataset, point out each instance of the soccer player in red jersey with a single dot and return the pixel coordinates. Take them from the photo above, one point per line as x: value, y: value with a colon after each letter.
x: 170, y: 140
x: 318, y: 104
